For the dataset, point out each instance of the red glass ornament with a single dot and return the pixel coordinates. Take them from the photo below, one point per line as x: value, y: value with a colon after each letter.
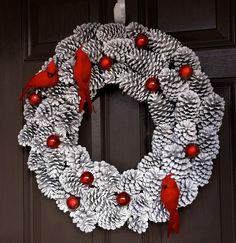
x: 87, y: 178
x: 152, y: 84
x: 53, y: 141
x: 192, y: 150
x: 141, y: 40
x: 123, y: 198
x: 34, y: 99
x: 105, y: 63
x: 72, y: 202
x: 186, y: 72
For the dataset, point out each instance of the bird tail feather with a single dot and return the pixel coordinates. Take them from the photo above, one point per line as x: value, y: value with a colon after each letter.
x: 85, y: 97
x: 173, y: 225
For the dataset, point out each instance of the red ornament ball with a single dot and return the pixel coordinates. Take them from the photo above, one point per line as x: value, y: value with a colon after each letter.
x: 87, y: 178
x: 72, y: 202
x: 53, y: 141
x: 35, y: 99
x: 152, y: 84
x: 192, y: 150
x: 105, y: 63
x: 141, y: 40
x: 186, y: 72
x: 123, y: 198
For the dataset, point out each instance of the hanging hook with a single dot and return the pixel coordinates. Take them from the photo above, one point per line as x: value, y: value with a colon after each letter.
x: 119, y: 12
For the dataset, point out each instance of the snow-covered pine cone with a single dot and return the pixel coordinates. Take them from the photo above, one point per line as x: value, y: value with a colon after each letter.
x: 200, y: 84
x: 65, y: 73
x: 44, y: 113
x: 111, y: 31
x: 162, y: 136
x: 39, y: 141
x: 147, y: 162
x: 209, y: 141
x: 141, y: 204
x: 185, y: 56
x: 54, y: 162
x: 112, y: 76
x: 113, y: 217
x: 29, y: 111
x: 96, y: 199
x: 97, y: 81
x: 162, y: 43
x: 188, y: 192
x: 174, y: 161
x: 66, y: 48
x: 185, y: 132
x: 201, y: 170
x: 67, y: 121
x: 118, y: 49
x: 152, y: 180
x: 158, y: 213
x: 171, y: 84
x: 138, y: 224
x: 133, y: 29
x: 56, y: 93
x: 106, y: 176
x: 78, y: 155
x: 211, y: 112
x: 71, y: 97
x: 27, y: 133
x: 130, y: 182
x: 86, y: 32
x: 134, y: 85
x: 70, y: 179
x: 35, y: 160
x: 61, y: 203
x: 84, y: 219
x: 143, y: 61
x: 93, y: 49
x: 160, y: 109
x: 187, y: 107
x: 50, y: 187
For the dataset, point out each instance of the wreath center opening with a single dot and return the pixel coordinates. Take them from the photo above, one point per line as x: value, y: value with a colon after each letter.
x: 125, y: 129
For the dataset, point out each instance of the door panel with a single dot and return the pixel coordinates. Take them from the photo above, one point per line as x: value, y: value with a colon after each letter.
x: 120, y: 130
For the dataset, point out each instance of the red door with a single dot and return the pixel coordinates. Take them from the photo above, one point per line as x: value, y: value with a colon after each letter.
x: 117, y: 132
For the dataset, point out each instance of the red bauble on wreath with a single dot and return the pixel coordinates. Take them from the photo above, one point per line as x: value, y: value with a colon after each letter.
x: 72, y: 202
x: 105, y: 63
x: 185, y: 72
x: 192, y: 150
x: 141, y: 40
x: 87, y: 178
x: 53, y: 141
x: 152, y: 84
x: 35, y: 99
x: 123, y: 198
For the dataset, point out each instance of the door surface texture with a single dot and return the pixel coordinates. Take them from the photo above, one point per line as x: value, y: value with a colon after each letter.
x: 120, y: 131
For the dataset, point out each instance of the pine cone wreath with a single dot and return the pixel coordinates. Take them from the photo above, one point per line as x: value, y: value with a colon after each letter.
x: 149, y: 66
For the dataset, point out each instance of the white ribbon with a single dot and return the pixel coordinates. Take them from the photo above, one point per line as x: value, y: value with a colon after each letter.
x: 119, y: 12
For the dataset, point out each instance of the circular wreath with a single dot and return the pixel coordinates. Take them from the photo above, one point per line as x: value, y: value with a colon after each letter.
x: 151, y: 67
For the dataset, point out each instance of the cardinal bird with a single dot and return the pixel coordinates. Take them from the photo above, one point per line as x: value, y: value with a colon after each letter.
x: 44, y: 79
x: 82, y: 74
x: 170, y: 198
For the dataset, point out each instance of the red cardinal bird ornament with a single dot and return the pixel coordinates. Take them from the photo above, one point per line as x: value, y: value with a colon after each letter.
x: 82, y: 74
x: 170, y: 199
x: 44, y: 79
